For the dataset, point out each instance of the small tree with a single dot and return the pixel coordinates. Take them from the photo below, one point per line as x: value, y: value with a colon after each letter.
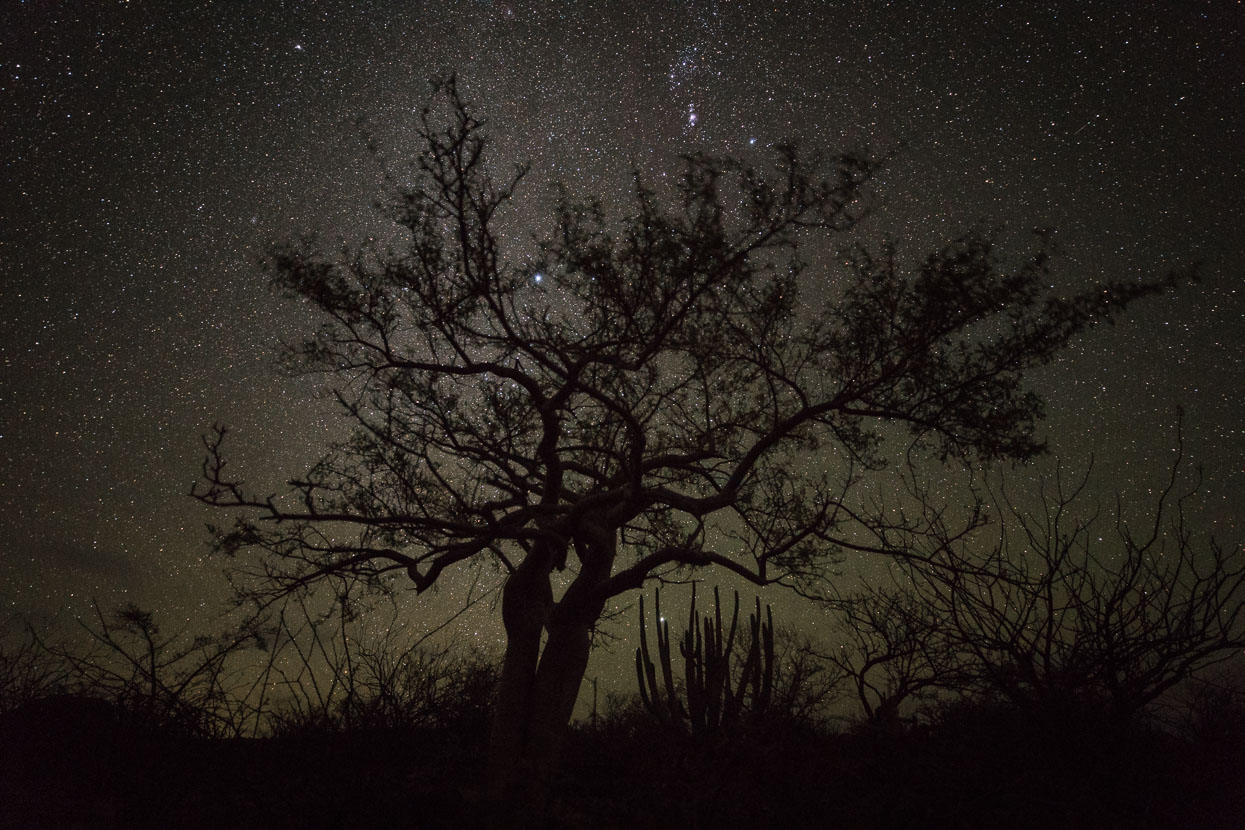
x: 891, y: 649
x: 1057, y: 617
x: 643, y: 396
x: 192, y: 684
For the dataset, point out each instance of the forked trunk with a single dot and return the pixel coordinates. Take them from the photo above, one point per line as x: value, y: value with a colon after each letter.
x: 538, y: 689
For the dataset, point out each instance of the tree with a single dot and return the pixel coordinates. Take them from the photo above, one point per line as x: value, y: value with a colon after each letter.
x: 175, y: 681
x: 641, y: 396
x: 892, y: 650
x: 1058, y: 617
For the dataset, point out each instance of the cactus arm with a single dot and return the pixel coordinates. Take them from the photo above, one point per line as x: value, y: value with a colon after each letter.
x: 725, y: 709
x: 767, y: 658
x: 693, y: 648
x: 646, y: 674
x: 673, y: 704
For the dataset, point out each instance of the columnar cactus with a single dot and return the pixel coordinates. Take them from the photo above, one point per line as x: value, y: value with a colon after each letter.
x: 715, y: 700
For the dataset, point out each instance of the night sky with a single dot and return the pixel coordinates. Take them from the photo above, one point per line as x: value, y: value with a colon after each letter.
x: 152, y: 151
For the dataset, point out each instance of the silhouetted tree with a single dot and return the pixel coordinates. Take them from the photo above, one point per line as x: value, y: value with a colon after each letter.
x: 1061, y: 617
x: 192, y: 684
x: 658, y: 393
x: 891, y: 649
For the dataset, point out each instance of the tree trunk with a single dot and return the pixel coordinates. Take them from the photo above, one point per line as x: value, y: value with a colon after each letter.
x: 561, y: 673
x: 526, y: 600
x: 539, y: 687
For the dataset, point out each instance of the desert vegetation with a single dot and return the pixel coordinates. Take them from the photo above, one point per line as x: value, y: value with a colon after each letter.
x: 331, y: 714
x: 722, y: 384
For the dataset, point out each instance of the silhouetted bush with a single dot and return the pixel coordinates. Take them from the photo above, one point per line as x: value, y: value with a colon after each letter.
x: 426, y: 690
x: 27, y: 671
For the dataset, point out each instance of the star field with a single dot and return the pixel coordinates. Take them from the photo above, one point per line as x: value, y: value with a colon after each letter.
x: 154, y: 150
